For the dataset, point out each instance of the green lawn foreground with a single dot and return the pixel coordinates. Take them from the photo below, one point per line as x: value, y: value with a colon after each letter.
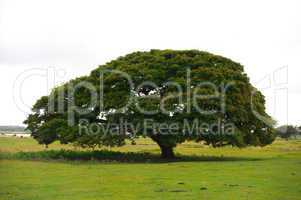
x: 272, y: 172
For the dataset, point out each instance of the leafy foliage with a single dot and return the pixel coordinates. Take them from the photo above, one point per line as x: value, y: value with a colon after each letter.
x: 188, y: 69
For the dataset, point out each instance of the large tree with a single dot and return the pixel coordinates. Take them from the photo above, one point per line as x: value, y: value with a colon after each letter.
x: 169, y: 96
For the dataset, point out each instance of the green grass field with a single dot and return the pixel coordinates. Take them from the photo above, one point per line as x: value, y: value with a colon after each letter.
x: 201, y: 172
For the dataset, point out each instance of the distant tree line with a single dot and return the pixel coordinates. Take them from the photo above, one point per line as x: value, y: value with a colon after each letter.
x: 12, y: 129
x: 288, y: 131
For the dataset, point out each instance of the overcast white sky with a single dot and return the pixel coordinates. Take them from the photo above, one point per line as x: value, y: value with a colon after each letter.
x: 76, y: 36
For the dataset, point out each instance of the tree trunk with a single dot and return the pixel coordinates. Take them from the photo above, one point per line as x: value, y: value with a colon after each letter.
x: 167, y: 152
x: 166, y: 149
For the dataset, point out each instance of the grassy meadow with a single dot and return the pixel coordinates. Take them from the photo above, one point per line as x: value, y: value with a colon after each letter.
x: 29, y: 172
